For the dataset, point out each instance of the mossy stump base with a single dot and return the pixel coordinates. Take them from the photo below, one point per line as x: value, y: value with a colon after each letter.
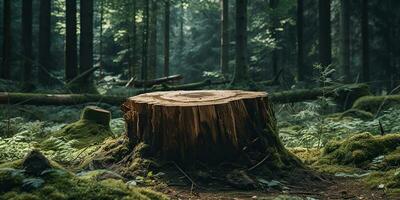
x: 35, y: 163
x: 92, y: 128
x: 208, y: 126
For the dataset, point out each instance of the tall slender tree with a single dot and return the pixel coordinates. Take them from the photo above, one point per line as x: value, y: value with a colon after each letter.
x: 5, y: 71
x: 167, y: 25
x: 365, y: 41
x: 301, y: 71
x: 86, y: 39
x: 224, y: 63
x: 101, y: 36
x: 274, y: 23
x: 152, y: 52
x: 71, y: 61
x: 134, y: 40
x: 145, y: 34
x: 44, y: 41
x: 181, y: 41
x: 27, y: 40
x: 241, y: 69
x: 325, y: 46
x: 345, y: 38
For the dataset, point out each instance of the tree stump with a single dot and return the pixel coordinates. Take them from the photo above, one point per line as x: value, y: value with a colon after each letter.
x: 207, y: 125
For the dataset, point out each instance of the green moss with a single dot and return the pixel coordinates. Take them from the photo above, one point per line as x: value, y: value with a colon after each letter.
x: 391, y: 160
x: 373, y: 103
x: 111, y: 151
x: 360, y: 149
x: 390, y: 180
x: 60, y: 184
x: 308, y: 156
x: 355, y: 113
x: 85, y: 133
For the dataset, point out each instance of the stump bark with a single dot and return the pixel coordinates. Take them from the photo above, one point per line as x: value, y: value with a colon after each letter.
x: 210, y: 126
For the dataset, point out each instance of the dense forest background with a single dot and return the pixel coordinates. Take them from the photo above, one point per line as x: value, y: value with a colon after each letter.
x: 149, y: 39
x: 199, y: 99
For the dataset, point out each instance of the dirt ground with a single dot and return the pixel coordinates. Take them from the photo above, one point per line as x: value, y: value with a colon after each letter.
x: 338, y: 188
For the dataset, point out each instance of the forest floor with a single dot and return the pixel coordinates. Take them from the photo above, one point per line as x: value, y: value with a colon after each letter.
x: 328, y: 142
x: 338, y: 188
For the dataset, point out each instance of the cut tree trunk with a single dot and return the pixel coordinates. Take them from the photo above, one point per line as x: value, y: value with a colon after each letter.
x: 205, y: 125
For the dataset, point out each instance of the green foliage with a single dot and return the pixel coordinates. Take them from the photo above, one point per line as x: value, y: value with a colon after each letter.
x: 300, y: 129
x: 16, y: 184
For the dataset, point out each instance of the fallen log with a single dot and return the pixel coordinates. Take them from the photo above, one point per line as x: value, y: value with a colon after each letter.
x: 345, y: 95
x: 57, y: 99
x: 149, y: 83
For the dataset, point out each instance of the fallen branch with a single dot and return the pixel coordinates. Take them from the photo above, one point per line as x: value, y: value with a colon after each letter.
x: 149, y: 83
x: 83, y: 75
x: 274, y: 81
x: 188, y: 86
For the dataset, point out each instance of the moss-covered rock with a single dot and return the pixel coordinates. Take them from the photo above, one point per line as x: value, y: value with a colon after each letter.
x: 35, y: 163
x: 57, y: 183
x: 359, y: 150
x: 374, y: 103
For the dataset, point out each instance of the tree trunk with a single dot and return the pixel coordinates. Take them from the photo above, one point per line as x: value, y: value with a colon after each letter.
x: 101, y: 36
x: 134, y: 41
x: 365, y: 41
x: 71, y: 60
x: 325, y: 49
x: 166, y: 36
x: 5, y: 72
x: 345, y: 39
x: 241, y: 71
x: 152, y: 52
x: 274, y: 24
x: 27, y: 40
x: 44, y: 41
x: 301, y: 71
x: 224, y: 37
x: 181, y: 42
x: 208, y: 125
x: 145, y: 33
x: 86, y: 40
